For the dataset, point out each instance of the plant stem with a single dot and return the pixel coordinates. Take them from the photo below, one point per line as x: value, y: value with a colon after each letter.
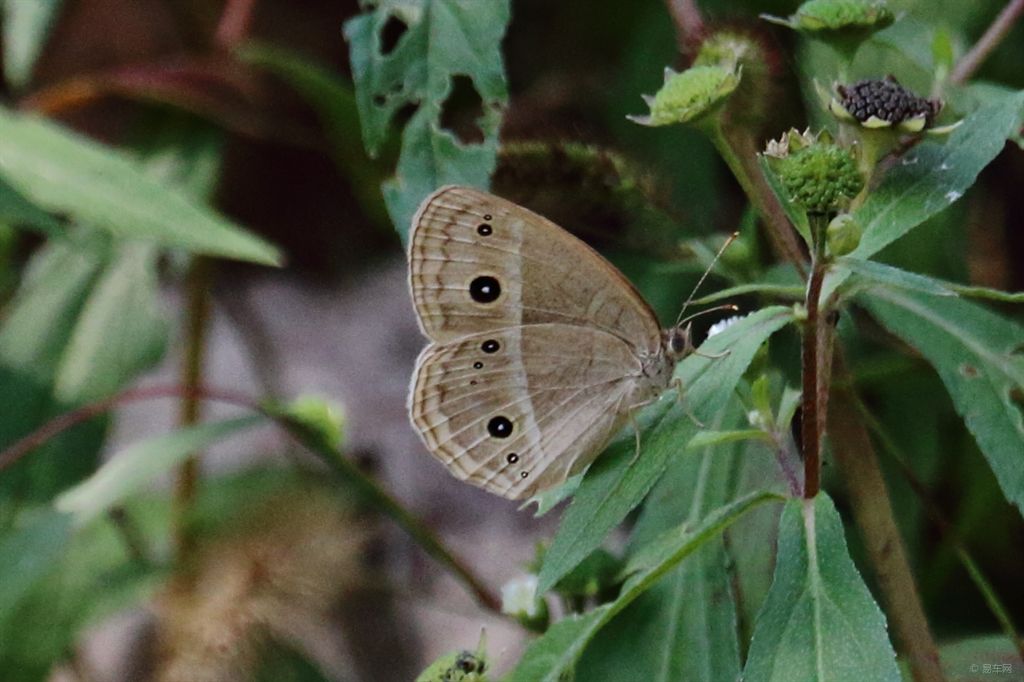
x: 234, y: 23
x: 813, y: 361
x: 740, y: 153
x: 370, y: 489
x: 994, y: 34
x: 197, y: 312
x: 381, y: 500
x: 65, y: 421
x: 869, y: 498
x: 688, y: 22
x: 949, y: 533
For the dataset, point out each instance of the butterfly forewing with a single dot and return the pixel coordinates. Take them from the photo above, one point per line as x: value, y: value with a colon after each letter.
x: 479, y: 262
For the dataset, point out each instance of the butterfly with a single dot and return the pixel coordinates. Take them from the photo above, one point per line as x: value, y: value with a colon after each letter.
x: 540, y: 349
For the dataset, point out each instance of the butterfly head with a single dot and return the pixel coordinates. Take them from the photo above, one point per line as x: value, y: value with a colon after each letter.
x: 678, y: 342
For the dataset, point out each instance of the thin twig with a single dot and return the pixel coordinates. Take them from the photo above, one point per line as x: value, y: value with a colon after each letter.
x: 815, y: 383
x: 994, y: 34
x: 197, y: 322
x: 856, y: 459
x: 369, y: 488
x: 949, y: 533
x: 63, y: 422
x: 234, y: 24
x: 688, y: 22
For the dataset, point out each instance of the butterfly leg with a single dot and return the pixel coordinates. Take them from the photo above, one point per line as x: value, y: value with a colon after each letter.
x: 677, y: 384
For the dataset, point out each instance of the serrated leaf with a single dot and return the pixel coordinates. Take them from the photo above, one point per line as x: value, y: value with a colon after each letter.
x: 443, y: 39
x: 616, y: 483
x: 684, y: 626
x: 555, y: 653
x: 129, y: 471
x: 978, y: 356
x: 65, y: 173
x: 26, y: 26
x: 934, y: 174
x: 819, y: 621
x: 874, y: 272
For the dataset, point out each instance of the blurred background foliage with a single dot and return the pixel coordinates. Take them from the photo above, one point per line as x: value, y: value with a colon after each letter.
x: 248, y: 107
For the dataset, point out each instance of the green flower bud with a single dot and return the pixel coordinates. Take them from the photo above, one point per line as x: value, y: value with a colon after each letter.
x: 843, y: 234
x: 320, y: 417
x: 883, y: 103
x: 690, y: 96
x: 457, y: 666
x: 817, y: 174
x: 850, y: 17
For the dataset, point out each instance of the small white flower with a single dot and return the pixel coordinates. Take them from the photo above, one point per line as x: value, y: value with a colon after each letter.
x: 519, y: 597
x: 722, y: 325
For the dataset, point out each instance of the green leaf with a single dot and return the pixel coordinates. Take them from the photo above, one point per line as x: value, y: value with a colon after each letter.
x: 977, y: 354
x: 797, y: 217
x: 26, y: 26
x: 705, y: 438
x: 18, y: 211
x: 684, y: 627
x: 121, y: 330
x: 873, y: 272
x: 934, y: 174
x: 334, y: 101
x: 616, y: 483
x: 819, y: 621
x: 130, y: 470
x: 784, y: 291
x: 28, y: 551
x: 62, y: 172
x: 443, y: 39
x: 556, y: 652
x: 34, y: 336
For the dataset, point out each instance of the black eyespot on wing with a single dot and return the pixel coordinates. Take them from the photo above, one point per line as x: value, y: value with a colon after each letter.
x: 490, y: 346
x: 500, y: 427
x: 511, y: 458
x: 485, y: 289
x: 484, y: 230
x: 488, y: 217
x: 524, y: 474
x: 478, y: 365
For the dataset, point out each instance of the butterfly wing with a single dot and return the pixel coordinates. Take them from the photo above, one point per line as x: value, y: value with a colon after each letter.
x: 478, y: 262
x: 521, y: 409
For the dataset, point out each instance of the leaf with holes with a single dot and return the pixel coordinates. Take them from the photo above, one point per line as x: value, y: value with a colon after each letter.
x: 979, y: 357
x: 555, y: 653
x: 441, y: 43
x: 619, y: 480
x: 819, y: 621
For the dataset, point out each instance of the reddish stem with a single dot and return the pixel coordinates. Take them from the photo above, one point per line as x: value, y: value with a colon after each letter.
x: 994, y: 35
x: 65, y: 421
x: 235, y: 22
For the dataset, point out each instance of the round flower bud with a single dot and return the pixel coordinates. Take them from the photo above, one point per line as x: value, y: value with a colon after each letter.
x: 882, y: 104
x: 821, y: 178
x: 689, y: 96
x: 843, y: 234
x: 519, y: 598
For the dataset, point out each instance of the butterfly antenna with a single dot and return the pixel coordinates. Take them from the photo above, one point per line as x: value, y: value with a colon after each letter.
x: 730, y: 240
x: 728, y: 306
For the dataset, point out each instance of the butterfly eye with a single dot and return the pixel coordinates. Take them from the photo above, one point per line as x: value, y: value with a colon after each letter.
x: 485, y: 289
x: 500, y: 427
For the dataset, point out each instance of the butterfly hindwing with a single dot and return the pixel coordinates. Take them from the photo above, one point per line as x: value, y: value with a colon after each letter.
x: 520, y: 409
